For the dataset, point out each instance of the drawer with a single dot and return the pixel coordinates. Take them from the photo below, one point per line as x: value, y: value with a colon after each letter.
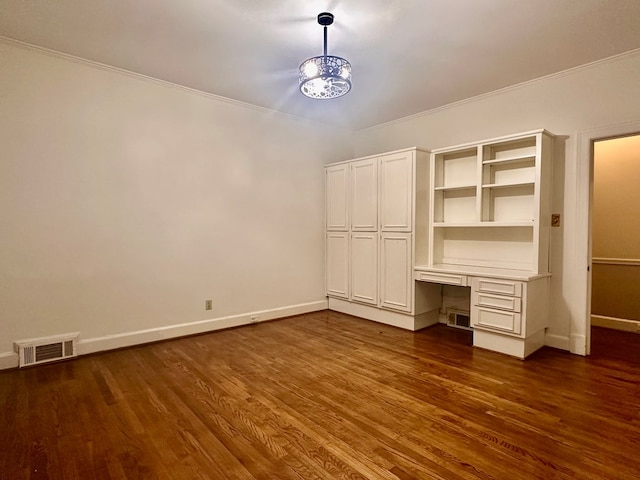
x: 501, y: 287
x: 497, y: 320
x: 502, y: 302
x: 446, y: 278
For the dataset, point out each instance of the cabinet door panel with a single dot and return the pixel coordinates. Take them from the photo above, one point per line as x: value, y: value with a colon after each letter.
x: 364, y: 195
x: 337, y: 268
x: 396, y: 271
x: 396, y: 192
x: 337, y: 197
x: 364, y: 267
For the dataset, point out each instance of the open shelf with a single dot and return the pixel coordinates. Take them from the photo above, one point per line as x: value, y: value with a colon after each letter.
x: 484, y: 224
x: 513, y: 159
x: 456, y: 187
x: 510, y: 150
x: 509, y: 185
x: 509, y: 203
x: 458, y: 205
x: 456, y: 168
x: 489, y: 205
x: 482, y: 246
x: 511, y: 172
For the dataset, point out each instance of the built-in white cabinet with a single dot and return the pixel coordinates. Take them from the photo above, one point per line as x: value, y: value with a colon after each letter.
x: 477, y: 216
x: 396, y: 271
x: 491, y: 203
x: 396, y: 192
x: 337, y: 198
x: 364, y: 195
x: 364, y: 267
x: 381, y: 210
x: 489, y: 227
x: 337, y: 264
x: 509, y: 315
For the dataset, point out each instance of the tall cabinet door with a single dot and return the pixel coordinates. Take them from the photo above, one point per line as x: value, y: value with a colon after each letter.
x: 364, y: 195
x: 337, y: 268
x: 337, y: 197
x: 364, y: 267
x: 395, y: 271
x: 396, y: 192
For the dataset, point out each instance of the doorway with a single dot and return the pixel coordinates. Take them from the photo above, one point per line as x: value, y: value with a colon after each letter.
x: 580, y: 257
x: 615, y: 234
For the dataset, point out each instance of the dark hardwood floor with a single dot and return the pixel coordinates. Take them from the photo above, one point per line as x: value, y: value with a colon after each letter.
x: 326, y: 396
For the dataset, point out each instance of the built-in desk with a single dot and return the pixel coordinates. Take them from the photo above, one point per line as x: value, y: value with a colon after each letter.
x: 509, y: 308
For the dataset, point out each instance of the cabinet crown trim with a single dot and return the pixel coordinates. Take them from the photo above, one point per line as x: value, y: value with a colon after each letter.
x: 494, y: 140
x: 378, y: 155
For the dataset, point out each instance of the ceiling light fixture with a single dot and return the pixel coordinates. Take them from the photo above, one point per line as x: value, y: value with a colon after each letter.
x: 325, y: 76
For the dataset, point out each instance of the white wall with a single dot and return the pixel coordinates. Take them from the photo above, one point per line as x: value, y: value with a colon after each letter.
x: 126, y: 202
x: 591, y: 97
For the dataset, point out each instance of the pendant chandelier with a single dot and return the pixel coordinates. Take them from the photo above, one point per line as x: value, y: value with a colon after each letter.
x: 325, y: 76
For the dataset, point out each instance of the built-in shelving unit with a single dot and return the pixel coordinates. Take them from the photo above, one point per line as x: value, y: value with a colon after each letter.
x: 489, y: 230
x: 486, y: 203
x: 474, y: 217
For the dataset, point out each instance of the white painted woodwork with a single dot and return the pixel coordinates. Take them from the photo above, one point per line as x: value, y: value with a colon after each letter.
x: 502, y: 302
x: 389, y: 317
x: 501, y: 287
x: 337, y: 264
x: 396, y: 192
x: 564, y: 102
x: 508, y: 344
x: 492, y: 319
x: 491, y: 203
x: 388, y: 202
x: 364, y: 267
x: 489, y: 228
x: 623, y: 324
x: 496, y: 304
x: 396, y: 271
x: 364, y: 195
x: 519, y: 309
x: 443, y: 278
x: 493, y: 247
x: 337, y: 197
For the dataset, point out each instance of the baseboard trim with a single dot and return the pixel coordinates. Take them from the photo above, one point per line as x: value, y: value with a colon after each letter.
x: 557, y: 341
x: 128, y: 339
x: 623, y: 324
x: 514, y: 346
x: 9, y: 360
x: 395, y: 319
x: 578, y: 344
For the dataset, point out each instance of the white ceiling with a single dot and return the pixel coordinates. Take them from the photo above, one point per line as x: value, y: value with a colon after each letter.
x: 407, y: 56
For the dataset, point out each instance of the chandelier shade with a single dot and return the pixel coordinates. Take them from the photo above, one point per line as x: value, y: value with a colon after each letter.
x: 325, y: 76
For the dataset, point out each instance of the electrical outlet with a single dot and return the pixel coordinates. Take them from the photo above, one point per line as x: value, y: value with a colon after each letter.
x: 208, y: 304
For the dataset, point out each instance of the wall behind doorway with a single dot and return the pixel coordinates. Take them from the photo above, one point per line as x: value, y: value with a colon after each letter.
x: 616, y: 232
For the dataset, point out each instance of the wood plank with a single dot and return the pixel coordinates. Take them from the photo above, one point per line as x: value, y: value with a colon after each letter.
x: 326, y: 396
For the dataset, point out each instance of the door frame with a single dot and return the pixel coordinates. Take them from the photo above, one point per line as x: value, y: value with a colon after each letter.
x: 580, y: 332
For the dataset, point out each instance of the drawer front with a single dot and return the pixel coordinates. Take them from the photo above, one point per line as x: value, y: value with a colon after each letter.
x: 502, y: 302
x: 501, y: 287
x: 446, y: 278
x: 501, y: 321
